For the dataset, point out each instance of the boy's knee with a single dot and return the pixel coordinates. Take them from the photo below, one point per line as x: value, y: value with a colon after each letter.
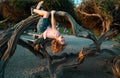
x: 46, y: 14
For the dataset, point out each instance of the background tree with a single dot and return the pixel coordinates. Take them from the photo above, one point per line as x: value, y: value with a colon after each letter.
x: 19, y: 9
x: 13, y: 11
x: 96, y: 15
x: 8, y: 13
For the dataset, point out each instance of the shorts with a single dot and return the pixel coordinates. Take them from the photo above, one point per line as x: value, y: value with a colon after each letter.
x: 42, y: 25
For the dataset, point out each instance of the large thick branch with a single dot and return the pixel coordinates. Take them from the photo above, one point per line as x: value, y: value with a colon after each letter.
x: 10, y: 38
x: 110, y: 33
x: 76, y: 28
x: 70, y: 19
x: 18, y: 30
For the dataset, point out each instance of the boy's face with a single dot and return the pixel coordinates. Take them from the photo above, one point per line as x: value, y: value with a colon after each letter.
x: 61, y: 39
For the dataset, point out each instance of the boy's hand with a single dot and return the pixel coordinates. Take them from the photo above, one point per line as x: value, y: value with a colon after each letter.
x: 53, y: 12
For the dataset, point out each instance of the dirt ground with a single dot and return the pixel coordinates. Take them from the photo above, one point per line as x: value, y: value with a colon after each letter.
x: 24, y: 64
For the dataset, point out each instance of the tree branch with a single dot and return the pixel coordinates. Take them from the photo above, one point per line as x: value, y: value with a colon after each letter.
x: 95, y: 15
x: 76, y: 28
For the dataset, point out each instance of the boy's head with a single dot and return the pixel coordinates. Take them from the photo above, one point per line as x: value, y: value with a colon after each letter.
x: 57, y: 46
x: 60, y: 39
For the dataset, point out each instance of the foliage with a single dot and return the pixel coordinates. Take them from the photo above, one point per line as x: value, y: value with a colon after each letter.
x: 63, y: 5
x: 90, y: 7
x: 104, y: 8
x: 22, y: 6
x: 118, y: 37
x: 1, y: 26
x: 8, y: 11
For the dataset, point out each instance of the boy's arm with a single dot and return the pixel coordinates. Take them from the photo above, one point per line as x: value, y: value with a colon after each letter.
x: 53, y: 21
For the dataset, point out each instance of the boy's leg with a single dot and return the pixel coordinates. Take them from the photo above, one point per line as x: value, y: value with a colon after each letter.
x: 42, y: 25
x: 40, y: 5
x: 42, y: 13
x: 43, y: 22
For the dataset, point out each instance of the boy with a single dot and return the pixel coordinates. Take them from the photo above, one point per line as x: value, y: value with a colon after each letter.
x: 48, y: 30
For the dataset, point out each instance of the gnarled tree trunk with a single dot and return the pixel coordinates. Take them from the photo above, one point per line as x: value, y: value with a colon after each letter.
x: 10, y: 38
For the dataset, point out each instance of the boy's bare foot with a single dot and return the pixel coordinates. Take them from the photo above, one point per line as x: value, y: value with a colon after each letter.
x: 40, y: 5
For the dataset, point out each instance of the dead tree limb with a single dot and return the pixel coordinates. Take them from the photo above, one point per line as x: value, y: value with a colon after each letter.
x: 93, y: 48
x: 11, y: 37
x: 19, y: 28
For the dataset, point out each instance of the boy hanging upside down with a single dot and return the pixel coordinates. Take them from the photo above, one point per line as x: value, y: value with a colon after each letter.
x: 48, y: 29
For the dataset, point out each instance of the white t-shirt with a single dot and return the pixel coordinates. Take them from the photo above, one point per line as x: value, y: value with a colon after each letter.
x: 50, y: 33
